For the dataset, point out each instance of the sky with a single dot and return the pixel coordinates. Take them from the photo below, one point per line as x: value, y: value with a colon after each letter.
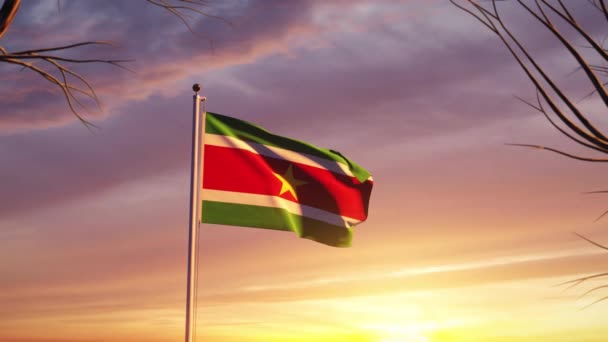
x: 466, y: 240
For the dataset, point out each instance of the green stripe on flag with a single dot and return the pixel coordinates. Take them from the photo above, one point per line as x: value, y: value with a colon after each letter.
x: 233, y: 214
x: 225, y: 125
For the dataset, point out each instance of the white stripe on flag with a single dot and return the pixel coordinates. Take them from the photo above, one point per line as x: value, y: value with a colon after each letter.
x: 278, y: 202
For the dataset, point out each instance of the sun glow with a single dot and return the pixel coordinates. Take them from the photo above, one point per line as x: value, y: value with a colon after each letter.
x: 400, y: 333
x: 418, y: 338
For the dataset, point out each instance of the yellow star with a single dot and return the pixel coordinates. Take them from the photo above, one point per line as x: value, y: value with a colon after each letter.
x: 289, y: 182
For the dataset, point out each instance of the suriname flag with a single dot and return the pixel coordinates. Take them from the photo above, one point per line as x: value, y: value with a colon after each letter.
x: 254, y: 178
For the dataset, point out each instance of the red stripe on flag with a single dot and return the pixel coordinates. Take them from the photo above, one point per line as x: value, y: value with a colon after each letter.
x: 237, y: 170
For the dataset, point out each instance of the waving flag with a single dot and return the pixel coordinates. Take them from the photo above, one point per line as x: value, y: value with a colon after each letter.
x: 254, y: 178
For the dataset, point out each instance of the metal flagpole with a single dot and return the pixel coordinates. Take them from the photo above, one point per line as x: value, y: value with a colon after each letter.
x: 194, y: 211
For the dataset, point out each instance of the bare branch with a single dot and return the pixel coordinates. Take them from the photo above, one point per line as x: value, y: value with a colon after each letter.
x: 604, y: 9
x: 590, y: 136
x: 592, y: 290
x: 114, y: 62
x: 600, y: 139
x: 66, y: 47
x: 69, y: 90
x: 539, y: 107
x: 579, y: 58
x: 481, y: 20
x: 591, y: 241
x: 601, y: 216
x: 583, y: 134
x: 570, y: 20
x: 598, y: 160
x: 72, y: 84
x: 7, y: 14
x: 595, y: 302
x: 578, y: 281
x: 182, y: 11
x: 565, y: 9
x: 594, y: 136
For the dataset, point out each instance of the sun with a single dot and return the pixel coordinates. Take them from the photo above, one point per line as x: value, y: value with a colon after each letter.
x: 405, y: 335
x: 419, y: 338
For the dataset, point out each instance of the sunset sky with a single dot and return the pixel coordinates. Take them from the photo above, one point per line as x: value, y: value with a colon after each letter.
x: 466, y: 236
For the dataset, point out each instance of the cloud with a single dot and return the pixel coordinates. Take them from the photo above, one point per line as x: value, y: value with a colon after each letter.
x: 94, y: 224
x: 284, y: 65
x: 165, y: 51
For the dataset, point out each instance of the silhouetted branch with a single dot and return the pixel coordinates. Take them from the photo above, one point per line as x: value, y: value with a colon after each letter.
x: 7, y: 14
x: 491, y: 18
x: 67, y: 80
x: 181, y: 9
x: 577, y: 125
x: 595, y: 302
x: 61, y: 75
x: 591, y: 241
x: 540, y: 108
x: 592, y: 290
x: 597, y: 160
x: 578, y: 281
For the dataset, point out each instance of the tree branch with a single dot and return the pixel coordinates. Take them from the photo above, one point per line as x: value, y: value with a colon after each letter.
x: 7, y: 14
x: 181, y: 12
x: 72, y: 84
x: 578, y: 281
x: 545, y: 85
x: 591, y: 241
x: 65, y: 83
x: 597, y: 160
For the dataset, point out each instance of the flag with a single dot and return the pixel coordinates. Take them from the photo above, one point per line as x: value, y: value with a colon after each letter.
x: 254, y: 178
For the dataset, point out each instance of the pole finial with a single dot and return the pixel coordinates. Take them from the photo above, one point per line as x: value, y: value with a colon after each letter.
x: 196, y: 87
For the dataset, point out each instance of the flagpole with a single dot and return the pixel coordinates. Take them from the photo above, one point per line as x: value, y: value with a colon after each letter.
x: 194, y: 210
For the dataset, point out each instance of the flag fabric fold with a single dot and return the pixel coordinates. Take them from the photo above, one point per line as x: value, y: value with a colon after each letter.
x: 254, y: 178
